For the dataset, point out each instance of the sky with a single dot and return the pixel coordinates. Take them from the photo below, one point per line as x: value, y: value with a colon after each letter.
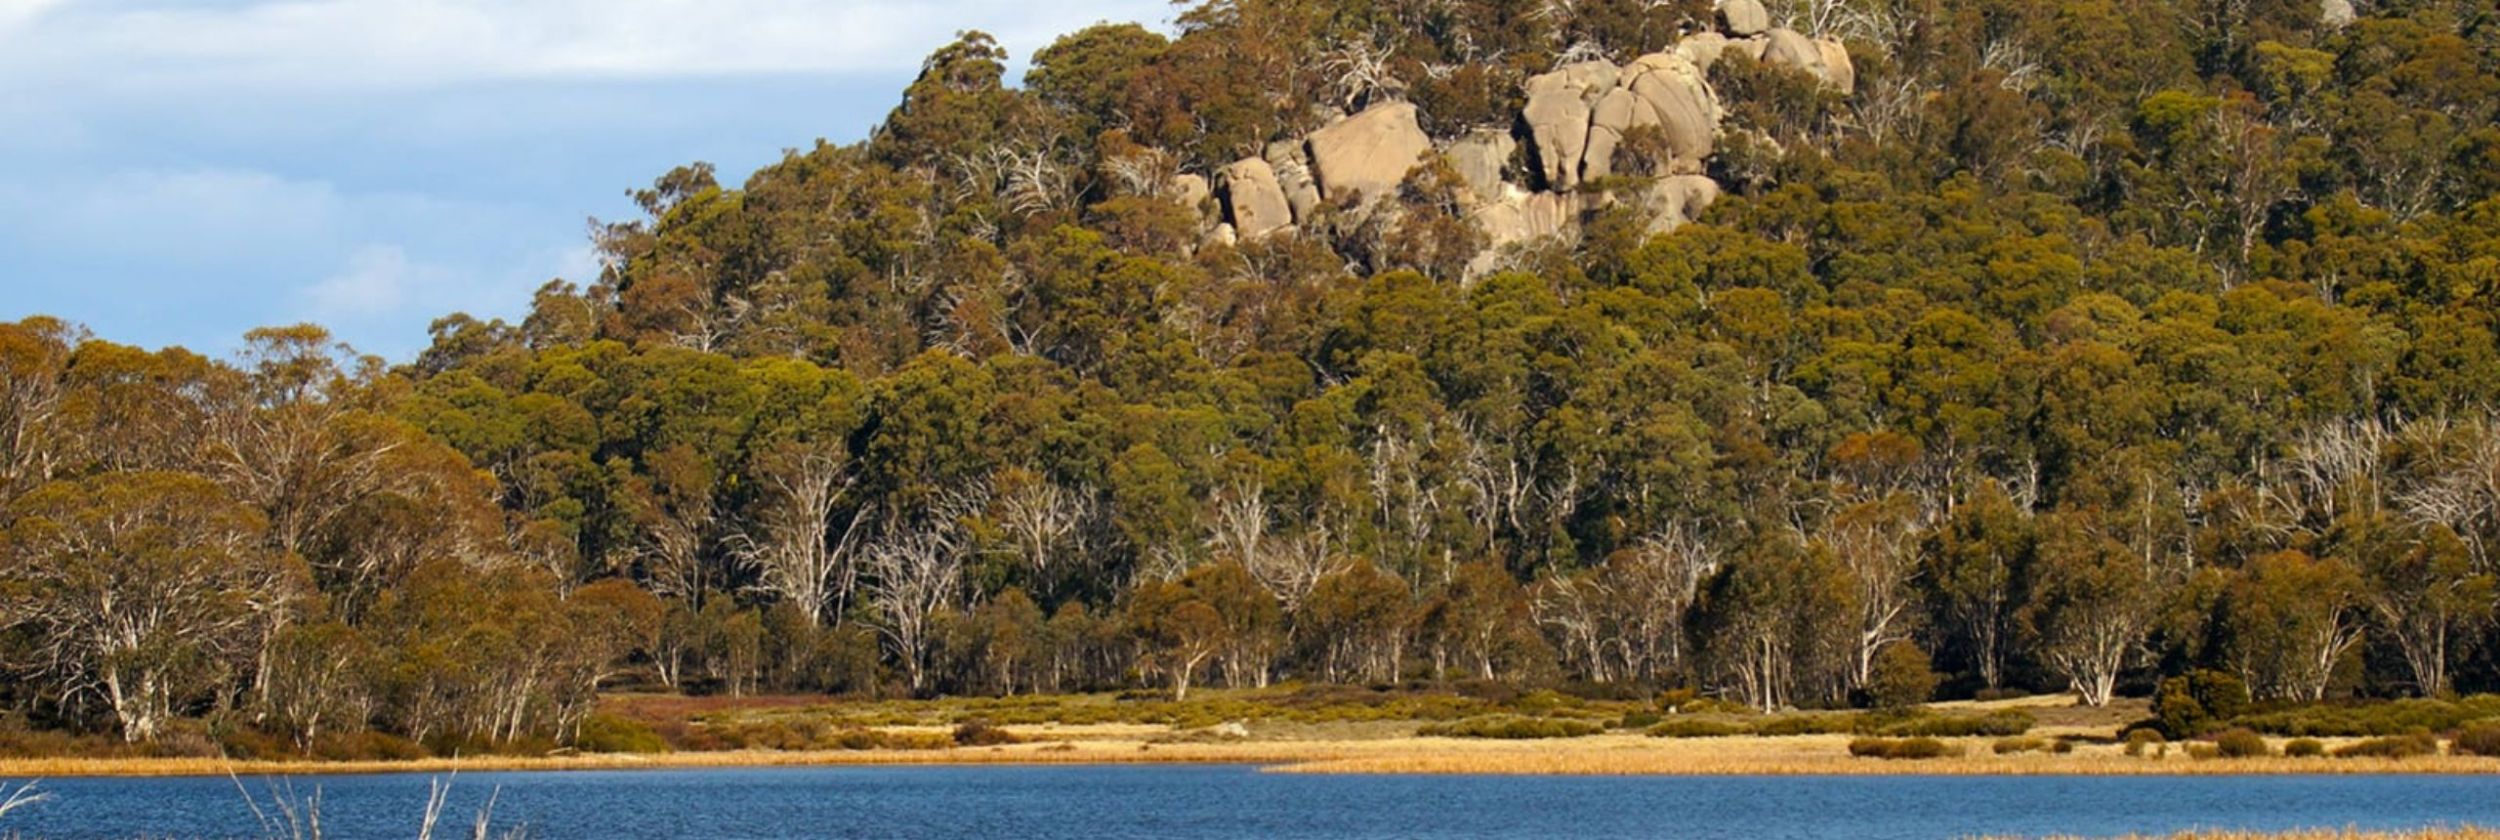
x: 175, y: 172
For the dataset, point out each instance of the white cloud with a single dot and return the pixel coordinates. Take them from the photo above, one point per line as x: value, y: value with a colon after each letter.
x: 363, y: 44
x: 210, y: 214
x: 15, y: 13
x: 376, y: 280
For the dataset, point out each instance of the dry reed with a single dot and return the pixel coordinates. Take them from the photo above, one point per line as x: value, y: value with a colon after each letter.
x: 2433, y: 833
x: 1598, y: 755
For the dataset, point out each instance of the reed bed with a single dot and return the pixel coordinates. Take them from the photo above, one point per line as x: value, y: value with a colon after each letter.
x: 2433, y: 833
x: 1614, y: 754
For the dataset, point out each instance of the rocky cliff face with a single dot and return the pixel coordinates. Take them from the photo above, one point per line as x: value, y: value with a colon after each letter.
x: 1572, y: 128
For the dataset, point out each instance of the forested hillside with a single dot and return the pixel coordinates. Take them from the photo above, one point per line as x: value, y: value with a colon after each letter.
x: 2064, y: 344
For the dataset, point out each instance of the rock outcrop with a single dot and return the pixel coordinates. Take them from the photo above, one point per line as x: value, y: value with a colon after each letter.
x: 1557, y: 116
x: 1676, y: 200
x: 1479, y: 158
x: 1744, y: 17
x: 1824, y: 59
x: 1253, y: 203
x: 1573, y: 124
x: 1679, y: 102
x: 1369, y: 153
x: 1293, y: 175
x: 1190, y: 190
x: 2336, y: 14
x: 1702, y: 49
x: 1524, y: 217
x: 1838, y: 71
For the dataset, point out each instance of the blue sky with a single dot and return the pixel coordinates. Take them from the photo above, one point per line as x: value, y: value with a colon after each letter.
x: 179, y: 172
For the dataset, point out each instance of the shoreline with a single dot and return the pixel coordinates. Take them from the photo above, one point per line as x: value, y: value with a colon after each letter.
x: 1615, y: 755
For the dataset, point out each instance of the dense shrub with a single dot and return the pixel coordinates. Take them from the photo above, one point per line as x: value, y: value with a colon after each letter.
x: 1689, y: 728
x: 1809, y: 725
x: 2390, y: 718
x: 2480, y: 739
x: 1993, y: 724
x: 2304, y: 748
x: 1902, y: 677
x: 2399, y: 746
x: 1638, y: 720
x: 1511, y: 727
x: 606, y: 733
x: 2241, y: 743
x: 2010, y: 746
x: 1901, y: 748
x: 2143, y: 740
x: 980, y: 733
x: 2195, y: 703
x: 1690, y: 702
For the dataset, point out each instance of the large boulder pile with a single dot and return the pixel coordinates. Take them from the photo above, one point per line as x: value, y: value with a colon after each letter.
x: 1369, y: 153
x: 1253, y: 202
x: 1571, y: 130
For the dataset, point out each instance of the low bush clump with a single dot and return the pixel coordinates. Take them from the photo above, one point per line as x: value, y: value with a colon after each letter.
x: 1511, y: 727
x: 1638, y: 720
x: 2480, y: 739
x: 2241, y: 743
x: 1687, y: 728
x: 1690, y: 702
x: 2394, y: 717
x: 2144, y: 740
x: 979, y: 733
x: 2415, y: 745
x: 606, y: 733
x: 1810, y: 725
x: 2198, y: 702
x: 2001, y: 723
x: 856, y: 738
x: 2304, y: 748
x: 1901, y: 748
x: 2010, y: 746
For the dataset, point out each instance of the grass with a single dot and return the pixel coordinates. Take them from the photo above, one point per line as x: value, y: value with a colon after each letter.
x: 2435, y: 833
x: 1357, y: 730
x: 1611, y: 753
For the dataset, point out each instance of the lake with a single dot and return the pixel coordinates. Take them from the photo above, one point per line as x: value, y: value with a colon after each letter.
x: 1240, y: 802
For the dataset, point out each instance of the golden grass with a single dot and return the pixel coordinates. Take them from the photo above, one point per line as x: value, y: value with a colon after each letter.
x: 2435, y: 833
x: 1820, y: 755
x: 1614, y: 754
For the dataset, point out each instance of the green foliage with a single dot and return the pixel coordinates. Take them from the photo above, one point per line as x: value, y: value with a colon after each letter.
x: 1996, y: 723
x: 2304, y: 748
x: 1902, y: 677
x: 607, y: 733
x: 980, y: 733
x: 2142, y: 740
x: 2385, y: 718
x: 2242, y: 743
x: 1902, y: 748
x: 1511, y: 727
x: 2481, y: 739
x: 2014, y: 745
x: 1698, y: 728
x: 2399, y: 746
x: 2192, y: 704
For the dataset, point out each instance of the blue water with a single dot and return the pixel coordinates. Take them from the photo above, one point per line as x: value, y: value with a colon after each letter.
x: 1239, y: 802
